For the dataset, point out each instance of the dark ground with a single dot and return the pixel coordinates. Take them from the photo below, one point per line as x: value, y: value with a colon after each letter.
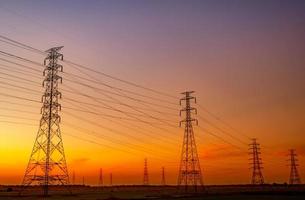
x: 225, y: 192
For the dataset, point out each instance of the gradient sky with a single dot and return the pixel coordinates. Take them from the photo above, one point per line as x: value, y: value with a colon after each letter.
x: 244, y: 59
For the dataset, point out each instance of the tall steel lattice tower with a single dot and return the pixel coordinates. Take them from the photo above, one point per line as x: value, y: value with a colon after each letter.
x: 163, y: 182
x: 190, y: 175
x: 294, y: 177
x: 47, y: 164
x: 257, y: 175
x: 145, y: 176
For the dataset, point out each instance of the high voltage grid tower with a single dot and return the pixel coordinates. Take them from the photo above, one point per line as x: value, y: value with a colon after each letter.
x: 73, y: 178
x: 257, y: 175
x: 163, y: 181
x: 294, y: 177
x: 145, y: 175
x: 190, y: 176
x: 47, y: 164
x: 101, y: 182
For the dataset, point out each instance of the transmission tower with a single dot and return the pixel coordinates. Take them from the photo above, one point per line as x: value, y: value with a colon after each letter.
x: 163, y: 182
x: 73, y: 178
x: 190, y: 175
x: 47, y: 164
x: 294, y: 177
x: 101, y: 177
x: 110, y: 182
x: 145, y: 176
x: 257, y: 175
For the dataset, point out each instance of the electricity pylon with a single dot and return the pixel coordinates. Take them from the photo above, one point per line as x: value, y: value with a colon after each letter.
x: 73, y: 178
x: 294, y: 177
x: 101, y: 182
x: 257, y: 175
x: 110, y: 179
x: 47, y: 164
x: 190, y: 175
x: 145, y: 175
x: 163, y: 182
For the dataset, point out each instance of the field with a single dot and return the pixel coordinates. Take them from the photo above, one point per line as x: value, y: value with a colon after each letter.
x: 226, y: 192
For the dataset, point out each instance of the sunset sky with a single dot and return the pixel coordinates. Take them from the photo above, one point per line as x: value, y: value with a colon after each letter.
x: 245, y: 60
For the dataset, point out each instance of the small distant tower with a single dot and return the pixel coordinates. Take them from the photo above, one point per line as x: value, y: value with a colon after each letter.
x: 294, y: 178
x: 110, y: 182
x: 257, y: 175
x: 83, y: 181
x: 73, y: 178
x: 145, y: 177
x: 190, y: 176
x: 101, y: 177
x: 163, y: 182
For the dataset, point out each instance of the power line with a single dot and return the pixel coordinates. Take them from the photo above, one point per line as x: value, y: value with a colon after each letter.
x: 17, y: 117
x: 88, y: 132
x: 19, y: 78
x: 118, y: 79
x: 218, y: 137
x: 113, y: 93
x: 104, y: 115
x: 222, y: 121
x: 82, y: 66
x: 18, y: 97
x: 119, y: 89
x: 138, y: 129
x: 94, y: 99
x: 222, y: 131
x: 27, y: 47
x: 124, y: 95
x: 17, y: 110
x: 20, y: 65
x: 23, y: 111
x: 104, y: 100
x: 107, y: 107
x: 20, y: 87
x: 17, y: 123
x: 133, y: 109
x: 11, y: 69
x: 20, y: 58
x: 19, y: 104
x: 126, y: 135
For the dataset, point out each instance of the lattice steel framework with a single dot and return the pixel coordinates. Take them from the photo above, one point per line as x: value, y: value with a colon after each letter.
x: 190, y: 175
x: 294, y: 178
x: 257, y: 175
x: 47, y: 164
x: 145, y: 175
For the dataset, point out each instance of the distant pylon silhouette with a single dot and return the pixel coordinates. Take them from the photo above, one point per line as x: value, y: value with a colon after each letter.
x: 294, y: 177
x: 190, y: 175
x: 110, y: 181
x: 145, y: 176
x: 101, y: 177
x: 73, y: 178
x: 256, y: 164
x: 163, y: 181
x: 47, y: 164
